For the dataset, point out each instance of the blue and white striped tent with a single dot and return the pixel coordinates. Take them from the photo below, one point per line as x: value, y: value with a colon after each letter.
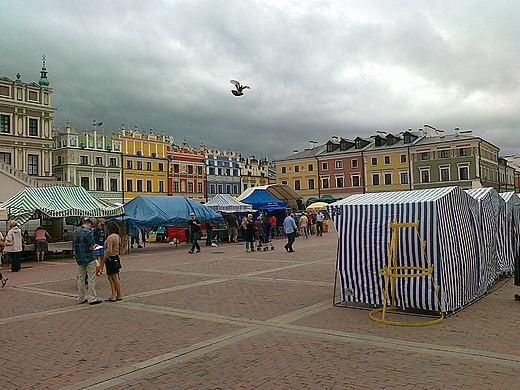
x: 449, y: 225
x: 497, y: 252
x: 513, y: 220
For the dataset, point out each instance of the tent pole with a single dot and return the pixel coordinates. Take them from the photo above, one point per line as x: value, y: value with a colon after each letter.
x: 335, y: 276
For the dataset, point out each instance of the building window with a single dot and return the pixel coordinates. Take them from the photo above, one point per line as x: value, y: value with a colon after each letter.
x: 374, y: 161
x: 129, y: 165
x: 113, y: 184
x: 464, y: 173
x: 387, y: 160
x: 149, y: 186
x: 444, y: 154
x: 425, y: 156
x: 463, y: 152
x: 83, y: 160
x: 160, y: 167
x: 228, y: 188
x: 375, y: 179
x: 325, y: 182
x: 324, y: 166
x: 445, y: 173
x: 212, y: 171
x: 220, y: 189
x: 5, y: 124
x: 175, y: 168
x: 190, y: 169
x: 310, y: 168
x: 139, y: 185
x: 139, y: 165
x: 99, y: 160
x: 148, y: 166
x: 404, y: 177
x: 113, y: 162
x: 354, y: 163
x: 296, y: 185
x: 201, y: 191
x: 32, y: 164
x: 340, y: 182
x: 161, y: 186
x: 33, y: 127
x: 5, y: 157
x: 129, y: 186
x: 296, y: 168
x: 284, y: 170
x: 99, y: 184
x: 388, y: 179
x: 190, y: 187
x: 330, y: 147
x: 283, y: 182
x: 311, y: 184
x: 425, y: 175
x: 403, y: 158
x: 84, y: 182
x: 199, y: 171
x: 212, y: 188
x: 338, y: 164
x: 355, y: 181
x: 175, y: 186
x: 235, y: 189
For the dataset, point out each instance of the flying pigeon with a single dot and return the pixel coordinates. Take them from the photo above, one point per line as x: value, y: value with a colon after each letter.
x: 99, y: 124
x: 239, y: 87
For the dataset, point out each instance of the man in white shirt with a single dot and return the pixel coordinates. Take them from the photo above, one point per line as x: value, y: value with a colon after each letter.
x: 290, y: 230
x: 319, y: 223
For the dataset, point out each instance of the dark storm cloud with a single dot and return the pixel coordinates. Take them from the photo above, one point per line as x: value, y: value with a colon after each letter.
x: 316, y: 69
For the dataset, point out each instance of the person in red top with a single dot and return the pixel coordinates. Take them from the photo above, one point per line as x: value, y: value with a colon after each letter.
x: 272, y: 223
x: 40, y: 243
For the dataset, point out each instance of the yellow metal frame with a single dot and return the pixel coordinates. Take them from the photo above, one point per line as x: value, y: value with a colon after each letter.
x: 393, y: 271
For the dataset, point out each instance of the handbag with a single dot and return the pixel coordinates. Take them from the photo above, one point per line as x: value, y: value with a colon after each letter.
x: 115, y: 263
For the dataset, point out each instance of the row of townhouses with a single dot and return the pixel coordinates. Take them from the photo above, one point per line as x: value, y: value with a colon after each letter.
x: 116, y: 167
x: 409, y: 160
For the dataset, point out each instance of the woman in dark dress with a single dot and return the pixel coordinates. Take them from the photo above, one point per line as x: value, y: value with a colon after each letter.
x: 249, y: 227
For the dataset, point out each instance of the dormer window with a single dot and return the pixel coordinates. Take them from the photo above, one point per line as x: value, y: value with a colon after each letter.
x: 343, y: 145
x: 330, y: 147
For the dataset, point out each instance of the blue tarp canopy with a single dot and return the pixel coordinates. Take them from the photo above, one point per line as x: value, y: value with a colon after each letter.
x: 149, y: 211
x: 260, y: 199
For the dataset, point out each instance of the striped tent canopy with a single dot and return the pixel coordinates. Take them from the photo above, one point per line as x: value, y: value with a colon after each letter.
x: 497, y: 251
x: 225, y: 202
x: 448, y: 222
x: 57, y: 202
x: 513, y: 220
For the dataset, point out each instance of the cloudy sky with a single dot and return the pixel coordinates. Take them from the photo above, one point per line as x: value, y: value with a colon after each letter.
x: 316, y: 68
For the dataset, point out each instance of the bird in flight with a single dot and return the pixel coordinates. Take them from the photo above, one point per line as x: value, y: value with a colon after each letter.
x: 239, y: 88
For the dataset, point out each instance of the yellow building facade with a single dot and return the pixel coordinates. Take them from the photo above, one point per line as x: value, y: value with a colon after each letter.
x: 387, y: 163
x: 300, y: 172
x: 145, y: 163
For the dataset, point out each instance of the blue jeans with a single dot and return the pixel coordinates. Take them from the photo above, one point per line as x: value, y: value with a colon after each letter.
x: 250, y: 244
x: 194, y: 243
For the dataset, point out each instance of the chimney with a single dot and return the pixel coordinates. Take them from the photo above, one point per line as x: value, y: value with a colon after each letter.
x: 311, y: 145
x: 295, y: 151
x: 334, y: 138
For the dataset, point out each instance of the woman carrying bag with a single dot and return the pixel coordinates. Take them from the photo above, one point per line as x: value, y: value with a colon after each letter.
x: 14, y: 246
x: 112, y: 261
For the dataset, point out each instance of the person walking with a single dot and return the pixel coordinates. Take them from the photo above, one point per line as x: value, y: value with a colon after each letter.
x: 289, y: 227
x: 303, y: 226
x: 232, y: 225
x: 249, y: 227
x: 319, y: 223
x: 112, y: 261
x: 272, y: 224
x: 40, y: 243
x: 14, y: 245
x: 83, y: 243
x: 193, y: 229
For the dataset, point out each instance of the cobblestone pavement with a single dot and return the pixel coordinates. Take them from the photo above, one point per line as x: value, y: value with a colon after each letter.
x: 227, y: 319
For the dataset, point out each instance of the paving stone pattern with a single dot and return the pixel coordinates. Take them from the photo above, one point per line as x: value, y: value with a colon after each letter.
x: 227, y: 319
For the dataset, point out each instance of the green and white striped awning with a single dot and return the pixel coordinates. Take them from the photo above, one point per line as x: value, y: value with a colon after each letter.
x: 57, y: 202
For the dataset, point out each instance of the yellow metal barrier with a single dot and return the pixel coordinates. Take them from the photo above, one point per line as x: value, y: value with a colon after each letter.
x: 393, y: 271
